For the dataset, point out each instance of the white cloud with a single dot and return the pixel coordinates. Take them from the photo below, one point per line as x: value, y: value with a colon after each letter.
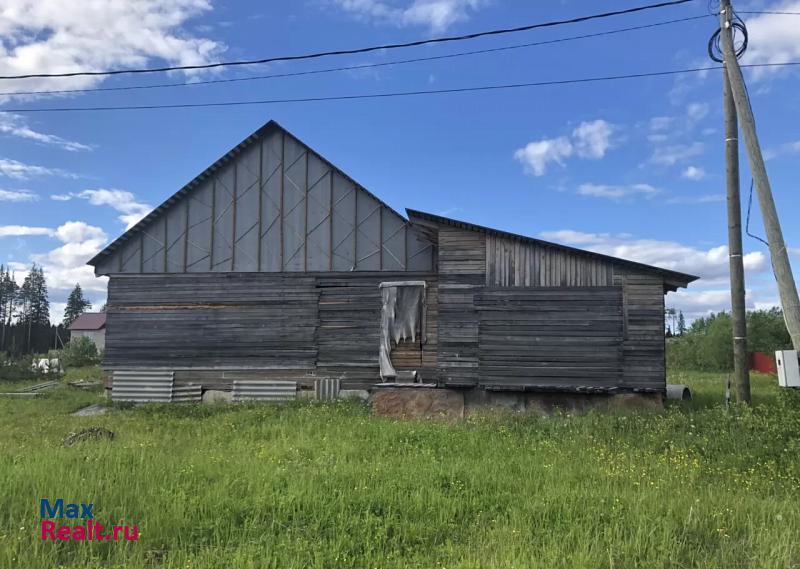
x: 535, y: 156
x: 697, y: 111
x: 437, y: 15
x: 124, y: 202
x: 773, y: 38
x: 617, y: 192
x: 17, y: 196
x: 671, y: 155
x: 590, y: 139
x: 61, y: 197
x: 694, y: 173
x: 51, y: 36
x: 660, y: 123
x: 710, y: 264
x: 23, y: 230
x: 22, y: 171
x: 66, y: 265
x: 15, y: 125
x: 593, y: 139
x: 706, y: 198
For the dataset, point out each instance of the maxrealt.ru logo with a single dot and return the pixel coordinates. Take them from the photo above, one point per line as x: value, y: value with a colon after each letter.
x: 89, y: 531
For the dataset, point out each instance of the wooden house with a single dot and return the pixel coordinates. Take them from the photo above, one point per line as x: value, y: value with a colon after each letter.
x: 273, y: 267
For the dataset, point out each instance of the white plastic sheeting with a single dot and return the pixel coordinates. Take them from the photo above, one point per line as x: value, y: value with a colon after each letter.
x: 402, y: 317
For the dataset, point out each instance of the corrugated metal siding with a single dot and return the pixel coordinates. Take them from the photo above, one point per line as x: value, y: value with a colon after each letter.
x: 142, y: 386
x: 327, y: 389
x: 512, y: 262
x: 263, y: 390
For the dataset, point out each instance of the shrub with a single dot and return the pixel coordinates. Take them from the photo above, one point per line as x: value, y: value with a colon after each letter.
x: 80, y: 352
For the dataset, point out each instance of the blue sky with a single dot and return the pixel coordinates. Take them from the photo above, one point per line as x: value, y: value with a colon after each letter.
x: 631, y: 168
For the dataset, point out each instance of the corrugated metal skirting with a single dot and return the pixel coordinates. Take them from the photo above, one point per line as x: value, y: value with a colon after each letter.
x: 327, y: 388
x: 142, y: 386
x: 263, y: 390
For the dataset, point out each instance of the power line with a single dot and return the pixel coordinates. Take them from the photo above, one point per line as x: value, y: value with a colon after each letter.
x: 317, y: 55
x: 393, y: 94
x: 358, y: 67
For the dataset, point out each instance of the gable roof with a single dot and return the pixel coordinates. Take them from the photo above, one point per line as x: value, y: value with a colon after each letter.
x: 217, y: 165
x: 671, y: 278
x: 89, y: 321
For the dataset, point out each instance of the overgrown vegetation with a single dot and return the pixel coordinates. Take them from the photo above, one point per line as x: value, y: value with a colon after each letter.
x: 312, y: 485
x: 80, y: 352
x: 707, y: 346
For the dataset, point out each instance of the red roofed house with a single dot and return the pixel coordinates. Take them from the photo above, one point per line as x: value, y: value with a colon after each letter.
x: 90, y: 325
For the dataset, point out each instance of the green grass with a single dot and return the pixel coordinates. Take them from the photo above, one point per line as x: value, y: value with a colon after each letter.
x: 312, y: 485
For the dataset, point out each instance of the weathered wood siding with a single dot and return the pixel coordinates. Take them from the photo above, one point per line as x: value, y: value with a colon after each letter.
x: 644, y: 344
x: 272, y: 205
x: 234, y: 320
x: 550, y: 337
x: 511, y: 262
x: 541, y: 317
x: 213, y: 328
x: 462, y: 266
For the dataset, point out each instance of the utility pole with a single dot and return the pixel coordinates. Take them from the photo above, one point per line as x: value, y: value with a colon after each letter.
x: 777, y: 247
x: 738, y: 312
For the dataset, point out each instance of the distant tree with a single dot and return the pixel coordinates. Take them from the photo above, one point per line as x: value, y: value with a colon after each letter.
x: 681, y: 323
x: 35, y: 306
x: 76, y: 305
x: 34, y: 310
x: 9, y: 291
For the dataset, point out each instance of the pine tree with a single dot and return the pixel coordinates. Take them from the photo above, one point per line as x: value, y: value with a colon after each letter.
x: 34, y: 305
x: 9, y: 291
x: 76, y: 305
x: 681, y: 323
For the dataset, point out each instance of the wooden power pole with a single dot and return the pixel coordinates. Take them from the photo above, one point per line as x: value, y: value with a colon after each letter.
x: 738, y: 311
x: 779, y: 256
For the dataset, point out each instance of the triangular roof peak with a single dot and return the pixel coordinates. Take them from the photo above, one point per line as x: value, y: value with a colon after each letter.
x: 269, y: 127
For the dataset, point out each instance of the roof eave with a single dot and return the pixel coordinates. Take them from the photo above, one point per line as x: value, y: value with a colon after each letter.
x: 672, y: 279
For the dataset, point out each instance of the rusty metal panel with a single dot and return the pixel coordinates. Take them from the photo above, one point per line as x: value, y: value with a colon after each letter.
x: 142, y: 386
x: 264, y: 390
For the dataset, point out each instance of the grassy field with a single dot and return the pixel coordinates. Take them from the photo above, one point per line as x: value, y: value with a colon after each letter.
x: 313, y: 485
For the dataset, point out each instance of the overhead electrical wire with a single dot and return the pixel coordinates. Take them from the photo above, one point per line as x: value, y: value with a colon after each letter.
x: 354, y: 51
x: 392, y: 94
x: 356, y: 67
